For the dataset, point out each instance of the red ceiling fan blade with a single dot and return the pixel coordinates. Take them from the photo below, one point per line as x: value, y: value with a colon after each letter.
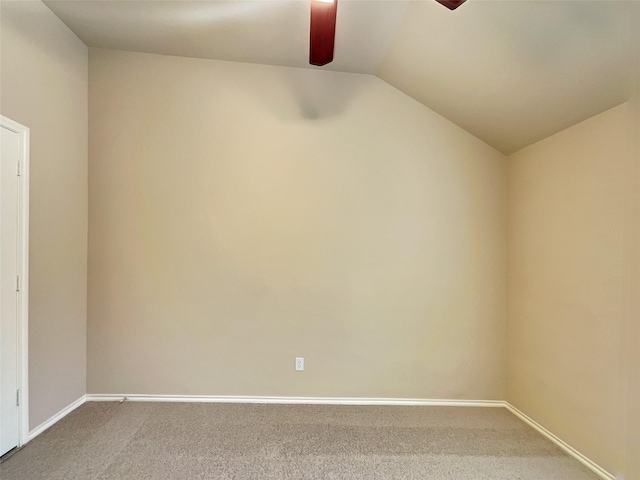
x: 451, y: 4
x: 323, y: 31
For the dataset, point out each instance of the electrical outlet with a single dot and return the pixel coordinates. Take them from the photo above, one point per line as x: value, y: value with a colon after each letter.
x: 299, y: 364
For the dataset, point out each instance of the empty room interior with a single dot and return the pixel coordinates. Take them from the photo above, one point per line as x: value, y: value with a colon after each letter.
x: 419, y: 260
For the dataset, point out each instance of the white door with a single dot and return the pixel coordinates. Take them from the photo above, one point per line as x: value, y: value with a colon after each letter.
x: 9, y: 412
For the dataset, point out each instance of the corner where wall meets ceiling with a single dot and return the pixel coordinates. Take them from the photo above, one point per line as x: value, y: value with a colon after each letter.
x: 511, y: 73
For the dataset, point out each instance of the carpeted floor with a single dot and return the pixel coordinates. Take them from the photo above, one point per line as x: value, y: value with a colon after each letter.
x: 160, y: 441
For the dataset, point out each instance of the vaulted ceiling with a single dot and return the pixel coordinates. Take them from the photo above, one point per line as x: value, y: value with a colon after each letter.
x: 510, y: 72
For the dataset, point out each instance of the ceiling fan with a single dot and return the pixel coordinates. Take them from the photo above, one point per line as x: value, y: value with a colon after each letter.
x: 323, y: 28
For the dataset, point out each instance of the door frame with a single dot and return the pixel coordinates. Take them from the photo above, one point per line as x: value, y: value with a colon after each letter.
x: 23, y: 271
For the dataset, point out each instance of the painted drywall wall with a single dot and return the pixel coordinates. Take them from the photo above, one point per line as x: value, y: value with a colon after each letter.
x: 44, y: 86
x: 568, y: 279
x: 632, y: 331
x: 242, y: 215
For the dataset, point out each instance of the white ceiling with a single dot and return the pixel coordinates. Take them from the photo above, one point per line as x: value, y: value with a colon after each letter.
x: 515, y: 72
x: 273, y: 32
x: 510, y: 72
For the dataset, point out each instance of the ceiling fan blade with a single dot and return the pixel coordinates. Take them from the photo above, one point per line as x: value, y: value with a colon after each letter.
x: 323, y: 31
x: 451, y: 4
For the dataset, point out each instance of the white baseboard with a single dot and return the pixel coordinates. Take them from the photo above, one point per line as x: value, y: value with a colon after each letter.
x: 594, y: 467
x: 57, y: 417
x: 294, y: 400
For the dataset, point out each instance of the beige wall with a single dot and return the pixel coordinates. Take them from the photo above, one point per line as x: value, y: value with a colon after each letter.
x: 44, y: 86
x: 241, y: 215
x: 568, y: 281
x: 632, y: 333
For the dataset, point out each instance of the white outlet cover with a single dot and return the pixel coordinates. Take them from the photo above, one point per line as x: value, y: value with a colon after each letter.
x: 299, y: 364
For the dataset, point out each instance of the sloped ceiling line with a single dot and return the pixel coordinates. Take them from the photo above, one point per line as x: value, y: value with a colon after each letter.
x: 509, y: 72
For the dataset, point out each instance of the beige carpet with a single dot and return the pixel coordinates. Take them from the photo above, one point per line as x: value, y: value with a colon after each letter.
x: 217, y: 441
